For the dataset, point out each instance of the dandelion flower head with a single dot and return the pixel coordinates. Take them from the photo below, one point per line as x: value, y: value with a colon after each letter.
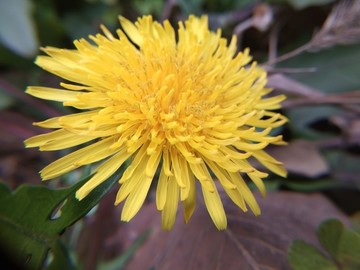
x: 181, y: 103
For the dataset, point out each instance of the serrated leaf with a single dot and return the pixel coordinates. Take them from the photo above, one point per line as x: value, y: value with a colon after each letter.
x: 26, y: 226
x: 17, y: 30
x: 60, y: 258
x: 304, y: 256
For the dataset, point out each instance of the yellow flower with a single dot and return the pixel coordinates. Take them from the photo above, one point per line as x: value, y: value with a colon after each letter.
x: 182, y: 102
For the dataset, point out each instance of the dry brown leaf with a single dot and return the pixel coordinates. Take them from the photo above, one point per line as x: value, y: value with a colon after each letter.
x: 350, y: 126
x: 301, y: 157
x: 293, y: 87
x: 248, y: 243
x: 340, y: 27
x: 300, y: 94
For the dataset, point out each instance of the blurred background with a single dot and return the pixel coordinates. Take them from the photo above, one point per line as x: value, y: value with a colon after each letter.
x: 311, y: 49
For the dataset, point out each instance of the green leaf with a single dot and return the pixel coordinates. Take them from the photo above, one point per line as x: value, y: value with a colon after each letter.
x: 300, y: 4
x: 309, y: 186
x: 4, y: 190
x: 337, y: 68
x: 17, y: 31
x: 154, y: 7
x: 191, y: 7
x: 5, y: 100
x: 47, y: 16
x: 342, y: 244
x: 337, y: 71
x: 344, y: 163
x: 349, y: 249
x: 227, y: 5
x: 87, y: 21
x: 329, y: 234
x: 304, y: 256
x: 301, y: 119
x: 60, y: 258
x: 28, y: 225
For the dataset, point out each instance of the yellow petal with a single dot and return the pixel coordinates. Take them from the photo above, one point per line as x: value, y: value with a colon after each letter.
x: 135, y: 199
x: 215, y: 207
x: 131, y: 30
x: 56, y: 140
x: 107, y: 32
x: 202, y: 174
x: 171, y: 205
x: 139, y: 159
x: 187, y: 178
x: 190, y: 201
x: 272, y: 103
x: 103, y: 172
x: 221, y: 174
x: 236, y: 196
x: 270, y: 163
x: 129, y: 185
x: 74, y: 87
x: 52, y: 93
x: 246, y: 193
x: 161, y: 190
x: 258, y: 182
x: 89, y: 154
x: 175, y: 164
x: 153, y: 163
x: 166, y: 162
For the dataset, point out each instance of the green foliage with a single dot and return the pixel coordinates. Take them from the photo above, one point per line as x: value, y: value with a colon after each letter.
x: 5, y: 100
x: 191, y: 7
x: 223, y: 5
x: 300, y: 4
x: 59, y: 258
x: 154, y: 7
x: 32, y: 218
x: 46, y: 17
x: 338, y: 63
x: 309, y: 186
x: 304, y: 256
x: 88, y: 20
x: 341, y: 244
x: 341, y: 65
